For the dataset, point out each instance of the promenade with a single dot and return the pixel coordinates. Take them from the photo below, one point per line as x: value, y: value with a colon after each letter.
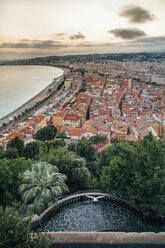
x: 50, y: 88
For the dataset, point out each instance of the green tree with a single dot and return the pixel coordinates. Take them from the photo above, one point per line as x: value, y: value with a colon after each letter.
x: 70, y: 164
x: 149, y: 185
x: 18, y: 166
x: 32, y: 150
x: 11, y: 179
x: 46, y: 133
x: 11, y: 153
x: 86, y: 149
x: 62, y: 135
x: 54, y: 144
x: 118, y: 175
x: 43, y: 184
x: 136, y: 170
x: 18, y: 144
x: 6, y: 183
x: 72, y: 147
x: 99, y: 140
x: 15, y: 232
x: 2, y: 152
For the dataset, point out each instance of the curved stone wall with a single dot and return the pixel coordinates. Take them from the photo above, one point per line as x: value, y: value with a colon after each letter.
x: 81, y: 196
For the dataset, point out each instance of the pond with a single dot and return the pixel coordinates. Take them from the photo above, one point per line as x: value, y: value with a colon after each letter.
x: 88, y: 216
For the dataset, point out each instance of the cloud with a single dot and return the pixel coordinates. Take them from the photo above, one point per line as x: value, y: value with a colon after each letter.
x: 37, y: 48
x: 92, y: 44
x: 127, y: 33
x: 60, y: 34
x: 77, y: 36
x: 68, y: 36
x: 151, y: 41
x: 136, y: 14
x: 39, y: 44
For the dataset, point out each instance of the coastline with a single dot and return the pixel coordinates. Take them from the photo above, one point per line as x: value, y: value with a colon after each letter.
x: 30, y: 103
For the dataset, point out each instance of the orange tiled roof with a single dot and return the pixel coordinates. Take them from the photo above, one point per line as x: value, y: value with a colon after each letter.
x: 37, y: 119
x: 59, y: 114
x: 13, y: 135
x: 72, y: 117
x: 76, y: 131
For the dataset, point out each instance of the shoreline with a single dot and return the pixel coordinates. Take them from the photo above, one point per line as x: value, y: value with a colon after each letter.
x: 30, y: 103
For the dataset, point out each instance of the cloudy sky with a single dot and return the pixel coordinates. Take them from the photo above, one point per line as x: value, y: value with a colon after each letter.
x: 30, y: 28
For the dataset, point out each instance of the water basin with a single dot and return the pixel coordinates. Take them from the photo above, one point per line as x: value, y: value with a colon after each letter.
x: 88, y: 216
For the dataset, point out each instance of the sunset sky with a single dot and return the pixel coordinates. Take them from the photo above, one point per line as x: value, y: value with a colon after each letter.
x: 32, y: 28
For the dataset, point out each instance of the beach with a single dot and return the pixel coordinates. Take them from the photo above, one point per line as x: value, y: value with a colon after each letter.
x: 30, y: 103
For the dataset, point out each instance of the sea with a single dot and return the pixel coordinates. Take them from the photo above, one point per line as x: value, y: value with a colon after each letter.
x: 18, y: 84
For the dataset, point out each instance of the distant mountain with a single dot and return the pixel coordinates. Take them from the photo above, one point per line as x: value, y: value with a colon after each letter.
x: 140, y: 57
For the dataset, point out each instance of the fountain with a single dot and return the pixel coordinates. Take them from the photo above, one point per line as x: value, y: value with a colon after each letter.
x: 96, y: 212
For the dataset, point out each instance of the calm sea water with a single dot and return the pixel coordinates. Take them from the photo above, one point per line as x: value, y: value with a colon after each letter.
x: 18, y: 84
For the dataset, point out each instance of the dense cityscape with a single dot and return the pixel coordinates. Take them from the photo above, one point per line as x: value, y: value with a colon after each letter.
x: 117, y: 99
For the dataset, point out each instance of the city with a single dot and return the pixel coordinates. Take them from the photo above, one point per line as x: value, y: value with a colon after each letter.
x: 116, y: 99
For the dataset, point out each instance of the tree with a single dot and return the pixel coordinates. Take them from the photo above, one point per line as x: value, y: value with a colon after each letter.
x: 18, y: 144
x: 15, y: 232
x: 18, y: 166
x: 136, y: 170
x: 118, y: 174
x: 99, y: 140
x: 86, y: 149
x: 70, y: 164
x: 6, y: 183
x: 11, y: 179
x: 2, y: 152
x: 46, y: 133
x: 43, y: 184
x: 54, y: 144
x: 11, y: 153
x: 72, y: 147
x: 150, y: 174
x: 32, y: 150
x: 62, y: 135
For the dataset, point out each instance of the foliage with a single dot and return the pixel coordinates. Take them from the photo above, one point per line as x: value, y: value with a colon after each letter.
x: 136, y: 170
x: 11, y: 179
x: 70, y: 164
x: 150, y: 175
x: 15, y: 232
x: 32, y: 150
x: 11, y: 153
x: 6, y: 183
x: 118, y: 175
x: 54, y: 144
x: 86, y: 149
x: 46, y: 133
x: 18, y: 144
x: 99, y: 140
x: 2, y: 152
x: 72, y: 147
x: 18, y: 167
x: 61, y: 135
x: 42, y: 185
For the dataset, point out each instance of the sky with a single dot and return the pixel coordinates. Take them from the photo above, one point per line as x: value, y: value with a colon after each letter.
x: 33, y: 28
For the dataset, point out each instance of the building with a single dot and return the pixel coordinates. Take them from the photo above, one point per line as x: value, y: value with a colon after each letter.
x: 58, y: 118
x: 37, y: 122
x: 72, y: 120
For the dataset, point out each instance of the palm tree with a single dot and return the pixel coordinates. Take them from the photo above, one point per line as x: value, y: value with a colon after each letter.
x: 43, y: 184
